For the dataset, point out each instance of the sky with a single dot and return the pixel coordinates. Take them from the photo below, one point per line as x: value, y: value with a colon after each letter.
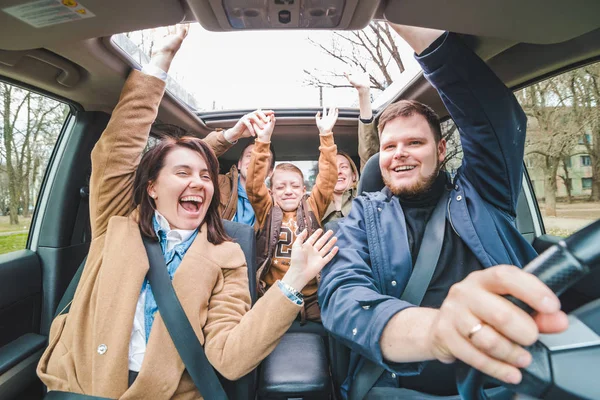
x: 261, y: 69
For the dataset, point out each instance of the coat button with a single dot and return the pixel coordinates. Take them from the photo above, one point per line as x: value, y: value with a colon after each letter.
x: 379, y: 209
x: 393, y: 375
x: 354, y: 332
x: 366, y: 307
x: 458, y: 198
x: 394, y: 283
x: 102, y: 349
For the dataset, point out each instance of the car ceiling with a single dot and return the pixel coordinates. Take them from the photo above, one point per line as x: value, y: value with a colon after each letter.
x: 520, y: 40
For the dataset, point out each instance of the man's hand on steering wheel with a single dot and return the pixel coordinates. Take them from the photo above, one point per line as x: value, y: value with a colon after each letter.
x: 477, y: 325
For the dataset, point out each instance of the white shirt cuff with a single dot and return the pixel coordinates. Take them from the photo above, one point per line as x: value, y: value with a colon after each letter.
x: 154, y: 71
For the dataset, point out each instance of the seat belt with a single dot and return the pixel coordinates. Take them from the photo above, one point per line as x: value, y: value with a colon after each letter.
x: 429, y: 255
x: 65, y: 302
x: 178, y: 325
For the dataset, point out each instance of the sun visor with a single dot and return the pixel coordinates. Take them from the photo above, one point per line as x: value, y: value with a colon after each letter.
x: 531, y: 21
x: 46, y: 23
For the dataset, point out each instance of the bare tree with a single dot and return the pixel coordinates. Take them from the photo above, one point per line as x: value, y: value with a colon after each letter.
x: 566, y: 178
x: 584, y: 87
x: 373, y: 50
x: 27, y: 119
x: 454, y: 151
x: 552, y: 132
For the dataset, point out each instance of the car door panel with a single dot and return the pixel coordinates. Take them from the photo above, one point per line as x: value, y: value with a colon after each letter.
x: 20, y: 307
x: 20, y: 295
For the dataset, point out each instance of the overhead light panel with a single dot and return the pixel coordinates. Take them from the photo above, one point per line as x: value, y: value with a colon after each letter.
x: 283, y: 14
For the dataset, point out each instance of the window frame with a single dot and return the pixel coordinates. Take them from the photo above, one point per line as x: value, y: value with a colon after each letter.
x: 53, y: 161
x: 586, y: 160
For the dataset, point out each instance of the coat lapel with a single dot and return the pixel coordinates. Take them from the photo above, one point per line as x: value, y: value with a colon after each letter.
x: 120, y: 280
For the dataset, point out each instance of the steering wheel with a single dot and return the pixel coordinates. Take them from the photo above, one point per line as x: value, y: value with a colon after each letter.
x: 564, y: 365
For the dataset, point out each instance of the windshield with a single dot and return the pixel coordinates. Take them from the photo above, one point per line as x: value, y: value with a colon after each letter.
x: 218, y: 71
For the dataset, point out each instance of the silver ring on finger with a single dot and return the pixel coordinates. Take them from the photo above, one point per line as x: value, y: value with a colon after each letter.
x: 474, y: 330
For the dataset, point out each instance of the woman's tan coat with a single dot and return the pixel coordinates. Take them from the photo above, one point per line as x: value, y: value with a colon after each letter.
x: 211, y: 283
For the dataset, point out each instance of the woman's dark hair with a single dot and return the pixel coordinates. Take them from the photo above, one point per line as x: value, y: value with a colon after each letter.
x: 150, y: 166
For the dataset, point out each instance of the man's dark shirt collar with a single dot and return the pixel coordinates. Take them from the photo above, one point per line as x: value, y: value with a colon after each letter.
x: 430, y: 196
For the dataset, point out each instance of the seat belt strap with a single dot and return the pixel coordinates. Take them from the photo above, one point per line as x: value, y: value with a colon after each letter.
x: 429, y: 255
x: 178, y: 325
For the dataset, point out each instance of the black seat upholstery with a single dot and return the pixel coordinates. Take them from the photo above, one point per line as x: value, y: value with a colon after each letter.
x: 244, y: 236
x: 296, y: 369
x: 245, y: 387
x: 370, y: 178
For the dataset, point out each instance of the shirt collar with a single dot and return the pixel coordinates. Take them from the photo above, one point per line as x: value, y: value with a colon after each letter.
x: 163, y: 225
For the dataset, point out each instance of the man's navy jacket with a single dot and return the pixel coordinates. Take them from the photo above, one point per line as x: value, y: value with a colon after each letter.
x: 360, y: 289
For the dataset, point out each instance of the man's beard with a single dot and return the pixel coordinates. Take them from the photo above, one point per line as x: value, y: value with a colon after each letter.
x: 419, y: 187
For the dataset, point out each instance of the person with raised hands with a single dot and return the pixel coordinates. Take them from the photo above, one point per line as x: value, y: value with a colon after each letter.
x: 234, y: 204
x: 113, y: 342
x: 286, y: 210
x: 346, y: 187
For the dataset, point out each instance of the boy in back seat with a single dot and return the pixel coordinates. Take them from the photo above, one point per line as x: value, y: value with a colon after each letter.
x: 286, y: 210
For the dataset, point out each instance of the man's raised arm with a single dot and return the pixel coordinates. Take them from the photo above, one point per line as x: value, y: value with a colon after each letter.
x: 490, y: 120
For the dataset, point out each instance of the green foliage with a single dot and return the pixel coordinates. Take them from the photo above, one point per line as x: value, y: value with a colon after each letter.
x: 14, y: 242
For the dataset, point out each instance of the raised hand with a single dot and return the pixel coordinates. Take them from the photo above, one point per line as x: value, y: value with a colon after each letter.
x: 245, y: 126
x: 309, y: 257
x: 168, y: 46
x: 263, y: 134
x: 326, y: 123
x: 359, y: 80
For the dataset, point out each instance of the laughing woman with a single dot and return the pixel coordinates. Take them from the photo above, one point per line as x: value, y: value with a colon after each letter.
x: 171, y: 194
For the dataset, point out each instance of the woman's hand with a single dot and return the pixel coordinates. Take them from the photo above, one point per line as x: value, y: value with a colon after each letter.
x: 245, y: 126
x: 309, y: 257
x: 477, y: 325
x: 165, y: 50
x: 359, y: 81
x: 326, y: 123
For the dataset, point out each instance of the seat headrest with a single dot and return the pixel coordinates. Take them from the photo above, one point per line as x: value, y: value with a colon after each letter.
x: 370, y: 179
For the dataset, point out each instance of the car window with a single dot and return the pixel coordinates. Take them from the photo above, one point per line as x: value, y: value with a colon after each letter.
x: 30, y: 127
x: 308, y: 70
x: 562, y: 152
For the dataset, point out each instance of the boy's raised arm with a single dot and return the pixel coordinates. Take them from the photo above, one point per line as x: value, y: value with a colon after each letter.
x: 257, y: 191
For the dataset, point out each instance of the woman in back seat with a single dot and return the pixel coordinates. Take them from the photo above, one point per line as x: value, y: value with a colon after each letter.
x: 113, y: 343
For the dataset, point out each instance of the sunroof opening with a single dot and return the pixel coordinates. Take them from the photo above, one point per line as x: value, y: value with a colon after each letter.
x: 224, y: 71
